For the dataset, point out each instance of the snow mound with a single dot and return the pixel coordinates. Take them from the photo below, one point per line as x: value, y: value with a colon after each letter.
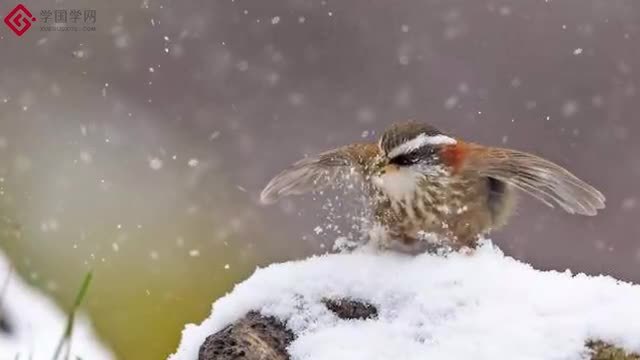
x: 480, y: 306
x: 34, y: 325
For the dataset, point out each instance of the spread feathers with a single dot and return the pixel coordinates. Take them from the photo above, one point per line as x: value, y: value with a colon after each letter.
x: 540, y: 178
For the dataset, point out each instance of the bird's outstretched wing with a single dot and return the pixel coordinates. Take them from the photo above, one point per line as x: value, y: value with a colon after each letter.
x: 540, y: 178
x: 315, y: 173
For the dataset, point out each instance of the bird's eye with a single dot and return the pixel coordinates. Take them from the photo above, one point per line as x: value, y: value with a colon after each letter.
x: 404, y: 160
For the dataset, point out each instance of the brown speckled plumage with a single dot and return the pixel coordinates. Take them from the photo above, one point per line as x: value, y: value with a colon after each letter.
x: 424, y: 185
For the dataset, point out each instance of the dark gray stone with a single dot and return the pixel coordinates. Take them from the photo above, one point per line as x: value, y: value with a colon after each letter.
x: 351, y: 309
x: 257, y: 337
x: 254, y: 337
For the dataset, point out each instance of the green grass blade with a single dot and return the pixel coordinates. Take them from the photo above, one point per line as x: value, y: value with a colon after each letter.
x: 66, y: 337
x: 83, y: 290
x: 5, y: 287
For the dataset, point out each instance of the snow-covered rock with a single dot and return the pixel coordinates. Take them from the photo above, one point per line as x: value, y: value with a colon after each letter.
x: 33, y: 325
x: 480, y: 306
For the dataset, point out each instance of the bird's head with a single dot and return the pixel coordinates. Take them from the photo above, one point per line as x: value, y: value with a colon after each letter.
x: 411, y: 153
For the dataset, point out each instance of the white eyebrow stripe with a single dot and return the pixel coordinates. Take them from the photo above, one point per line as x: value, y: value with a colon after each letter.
x: 418, y: 142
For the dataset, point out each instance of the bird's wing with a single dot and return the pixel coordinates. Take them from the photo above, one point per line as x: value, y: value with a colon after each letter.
x: 540, y: 178
x: 315, y: 173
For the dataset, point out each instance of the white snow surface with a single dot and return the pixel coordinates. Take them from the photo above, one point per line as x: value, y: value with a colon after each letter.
x: 37, y: 324
x: 480, y: 306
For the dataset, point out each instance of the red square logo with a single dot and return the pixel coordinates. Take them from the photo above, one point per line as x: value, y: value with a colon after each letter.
x: 19, y: 20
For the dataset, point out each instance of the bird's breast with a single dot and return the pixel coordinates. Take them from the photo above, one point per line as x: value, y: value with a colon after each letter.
x: 427, y: 203
x: 397, y: 183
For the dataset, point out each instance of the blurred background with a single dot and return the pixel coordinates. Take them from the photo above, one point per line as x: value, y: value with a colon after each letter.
x: 139, y: 149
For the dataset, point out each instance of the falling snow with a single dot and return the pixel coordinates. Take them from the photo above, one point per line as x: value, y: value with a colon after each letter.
x: 155, y: 164
x: 569, y: 108
x: 107, y: 141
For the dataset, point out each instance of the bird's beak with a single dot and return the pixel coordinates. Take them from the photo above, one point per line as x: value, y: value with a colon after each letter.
x: 389, y: 169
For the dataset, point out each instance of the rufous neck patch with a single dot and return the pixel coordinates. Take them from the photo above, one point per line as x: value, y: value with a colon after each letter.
x: 453, y: 156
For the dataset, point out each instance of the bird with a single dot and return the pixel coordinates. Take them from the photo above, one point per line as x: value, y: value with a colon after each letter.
x: 430, y: 190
